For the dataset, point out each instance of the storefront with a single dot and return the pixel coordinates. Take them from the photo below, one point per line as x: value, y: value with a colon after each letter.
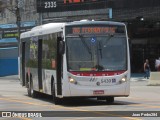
x: 9, y: 47
x: 145, y: 43
x: 8, y: 57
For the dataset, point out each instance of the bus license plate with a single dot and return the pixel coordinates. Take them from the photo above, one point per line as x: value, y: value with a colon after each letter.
x: 98, y: 92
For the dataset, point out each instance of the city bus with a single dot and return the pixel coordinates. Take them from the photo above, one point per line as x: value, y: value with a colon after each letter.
x: 76, y: 59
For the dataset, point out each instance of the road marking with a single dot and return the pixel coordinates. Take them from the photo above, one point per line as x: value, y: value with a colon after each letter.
x: 150, y: 106
x: 58, y: 106
x: 139, y: 98
x: 112, y: 115
x: 101, y: 113
x: 94, y: 117
x: 30, y: 103
x: 23, y: 118
x: 17, y: 96
x: 81, y: 118
x: 126, y: 109
x: 130, y: 118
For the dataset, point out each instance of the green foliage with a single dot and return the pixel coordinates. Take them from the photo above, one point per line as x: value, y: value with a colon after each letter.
x: 32, y: 63
x: 47, y: 64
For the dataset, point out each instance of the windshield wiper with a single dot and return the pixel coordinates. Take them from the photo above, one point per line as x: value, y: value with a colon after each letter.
x: 85, y: 44
x: 100, y: 49
x: 108, y: 39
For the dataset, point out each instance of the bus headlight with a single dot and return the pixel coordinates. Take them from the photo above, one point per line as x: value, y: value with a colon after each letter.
x: 71, y: 80
x: 124, y: 79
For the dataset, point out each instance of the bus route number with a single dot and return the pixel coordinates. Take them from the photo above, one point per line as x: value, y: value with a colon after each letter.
x: 50, y: 4
x: 106, y: 80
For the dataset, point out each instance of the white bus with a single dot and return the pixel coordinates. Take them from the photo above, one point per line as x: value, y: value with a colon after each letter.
x: 76, y: 59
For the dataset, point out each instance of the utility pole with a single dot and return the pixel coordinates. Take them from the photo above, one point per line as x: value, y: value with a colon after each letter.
x: 18, y: 21
x: 20, y: 4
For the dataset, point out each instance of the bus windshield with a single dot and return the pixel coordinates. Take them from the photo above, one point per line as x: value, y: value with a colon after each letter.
x: 96, y: 52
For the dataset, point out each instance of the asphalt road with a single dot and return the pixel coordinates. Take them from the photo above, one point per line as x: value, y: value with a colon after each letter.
x: 13, y: 97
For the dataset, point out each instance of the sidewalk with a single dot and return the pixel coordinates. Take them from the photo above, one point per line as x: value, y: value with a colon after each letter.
x: 11, y: 77
x: 138, y: 77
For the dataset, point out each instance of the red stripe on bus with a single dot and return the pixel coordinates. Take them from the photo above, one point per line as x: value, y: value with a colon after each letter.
x: 95, y: 73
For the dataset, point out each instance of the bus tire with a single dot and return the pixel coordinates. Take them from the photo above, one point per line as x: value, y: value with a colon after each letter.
x: 28, y: 88
x: 31, y: 92
x: 27, y: 80
x: 55, y: 99
x: 110, y: 99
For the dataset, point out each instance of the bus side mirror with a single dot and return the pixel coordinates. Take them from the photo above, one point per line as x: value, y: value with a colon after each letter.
x: 61, y: 47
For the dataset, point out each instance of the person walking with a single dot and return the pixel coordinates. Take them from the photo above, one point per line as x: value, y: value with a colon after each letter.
x: 146, y: 69
x: 157, y: 64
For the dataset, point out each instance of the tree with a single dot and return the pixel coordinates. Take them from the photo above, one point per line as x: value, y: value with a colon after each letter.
x: 2, y: 6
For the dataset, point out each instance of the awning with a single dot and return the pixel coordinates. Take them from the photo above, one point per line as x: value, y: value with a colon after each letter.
x: 8, y: 42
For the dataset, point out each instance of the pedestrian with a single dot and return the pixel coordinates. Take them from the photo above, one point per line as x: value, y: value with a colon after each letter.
x: 157, y: 64
x: 146, y: 69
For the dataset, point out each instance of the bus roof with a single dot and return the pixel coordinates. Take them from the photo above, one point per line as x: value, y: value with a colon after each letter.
x: 43, y: 29
x: 57, y: 27
x: 94, y: 22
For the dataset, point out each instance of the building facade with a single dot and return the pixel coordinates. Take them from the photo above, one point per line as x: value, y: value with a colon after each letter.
x: 9, y: 32
x: 27, y: 11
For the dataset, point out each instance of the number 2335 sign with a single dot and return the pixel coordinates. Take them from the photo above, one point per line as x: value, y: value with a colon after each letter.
x: 69, y: 5
x: 50, y: 4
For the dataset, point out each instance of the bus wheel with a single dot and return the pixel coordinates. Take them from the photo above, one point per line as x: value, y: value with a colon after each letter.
x: 31, y: 92
x: 110, y: 99
x: 55, y: 99
x: 34, y: 93
x: 29, y: 89
x: 28, y: 86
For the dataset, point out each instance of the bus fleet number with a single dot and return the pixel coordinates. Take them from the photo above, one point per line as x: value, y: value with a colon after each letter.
x: 106, y: 80
x: 52, y: 4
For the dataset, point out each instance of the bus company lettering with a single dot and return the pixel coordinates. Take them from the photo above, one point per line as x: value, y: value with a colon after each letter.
x: 93, y: 79
x: 92, y: 30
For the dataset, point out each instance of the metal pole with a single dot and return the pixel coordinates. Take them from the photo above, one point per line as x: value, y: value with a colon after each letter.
x: 40, y: 19
x: 18, y: 26
x: 18, y: 21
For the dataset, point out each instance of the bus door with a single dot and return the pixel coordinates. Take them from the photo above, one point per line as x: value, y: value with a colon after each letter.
x: 40, y: 84
x: 23, y: 65
x: 59, y: 65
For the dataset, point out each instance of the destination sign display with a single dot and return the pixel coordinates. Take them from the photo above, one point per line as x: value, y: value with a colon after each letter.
x: 95, y: 29
x: 90, y: 30
x: 69, y: 5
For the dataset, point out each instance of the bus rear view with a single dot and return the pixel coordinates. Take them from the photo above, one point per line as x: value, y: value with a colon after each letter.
x: 97, y: 57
